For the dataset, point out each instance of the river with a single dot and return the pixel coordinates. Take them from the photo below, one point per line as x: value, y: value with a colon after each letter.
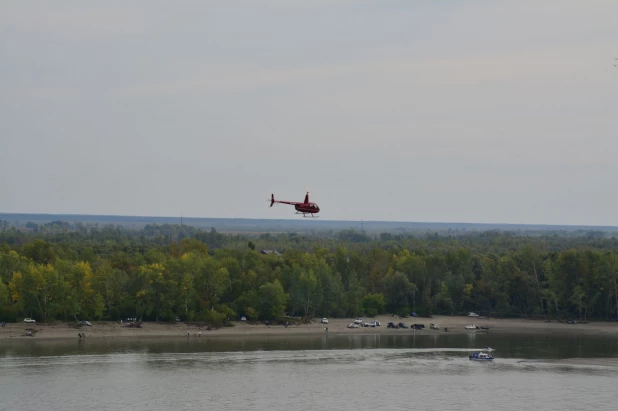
x: 391, y: 372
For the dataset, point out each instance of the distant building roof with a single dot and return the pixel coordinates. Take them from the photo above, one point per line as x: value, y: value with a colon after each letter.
x: 268, y: 252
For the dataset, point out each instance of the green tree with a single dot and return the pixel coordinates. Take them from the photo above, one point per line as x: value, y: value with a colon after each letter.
x: 40, y: 252
x: 400, y: 292
x: 272, y: 301
x: 4, y: 296
x: 307, y: 291
x: 374, y: 304
x: 155, y: 296
x: 9, y: 263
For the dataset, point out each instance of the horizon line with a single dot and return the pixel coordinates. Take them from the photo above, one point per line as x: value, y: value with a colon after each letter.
x: 307, y: 220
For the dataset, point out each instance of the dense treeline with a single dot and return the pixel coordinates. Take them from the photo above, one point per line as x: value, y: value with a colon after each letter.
x: 163, y: 272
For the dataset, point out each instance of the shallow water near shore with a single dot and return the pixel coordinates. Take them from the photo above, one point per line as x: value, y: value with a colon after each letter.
x: 547, y: 372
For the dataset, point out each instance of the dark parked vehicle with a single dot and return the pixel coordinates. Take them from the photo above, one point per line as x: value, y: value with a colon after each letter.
x: 418, y: 326
x: 402, y: 325
x: 391, y: 325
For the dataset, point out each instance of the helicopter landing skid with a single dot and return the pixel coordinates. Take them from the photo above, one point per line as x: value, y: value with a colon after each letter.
x: 310, y: 215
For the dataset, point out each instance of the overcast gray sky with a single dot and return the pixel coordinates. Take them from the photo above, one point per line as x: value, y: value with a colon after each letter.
x: 468, y: 111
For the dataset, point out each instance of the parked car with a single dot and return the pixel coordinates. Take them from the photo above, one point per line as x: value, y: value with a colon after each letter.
x: 391, y: 325
x: 434, y: 326
x: 418, y: 326
x: 324, y: 321
x: 85, y: 323
x: 29, y: 320
x: 243, y: 318
x: 471, y: 314
x: 358, y: 321
x: 402, y: 325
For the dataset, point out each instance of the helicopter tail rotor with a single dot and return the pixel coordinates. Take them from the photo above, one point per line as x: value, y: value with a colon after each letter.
x: 272, y: 199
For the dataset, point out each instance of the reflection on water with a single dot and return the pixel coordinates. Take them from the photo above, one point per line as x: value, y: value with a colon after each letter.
x: 338, y: 372
x: 512, y: 346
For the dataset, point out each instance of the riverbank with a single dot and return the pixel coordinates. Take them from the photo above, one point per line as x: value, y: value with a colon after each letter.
x: 455, y: 325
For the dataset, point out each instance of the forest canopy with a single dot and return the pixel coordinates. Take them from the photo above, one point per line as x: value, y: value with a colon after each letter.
x: 164, y: 272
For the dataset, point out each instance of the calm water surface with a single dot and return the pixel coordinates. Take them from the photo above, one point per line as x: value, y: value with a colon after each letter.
x: 424, y: 372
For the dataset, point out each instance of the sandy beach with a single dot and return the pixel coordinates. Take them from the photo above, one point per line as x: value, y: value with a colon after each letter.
x: 336, y: 326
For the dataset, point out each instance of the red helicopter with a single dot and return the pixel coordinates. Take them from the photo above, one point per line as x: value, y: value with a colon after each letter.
x: 303, y: 208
